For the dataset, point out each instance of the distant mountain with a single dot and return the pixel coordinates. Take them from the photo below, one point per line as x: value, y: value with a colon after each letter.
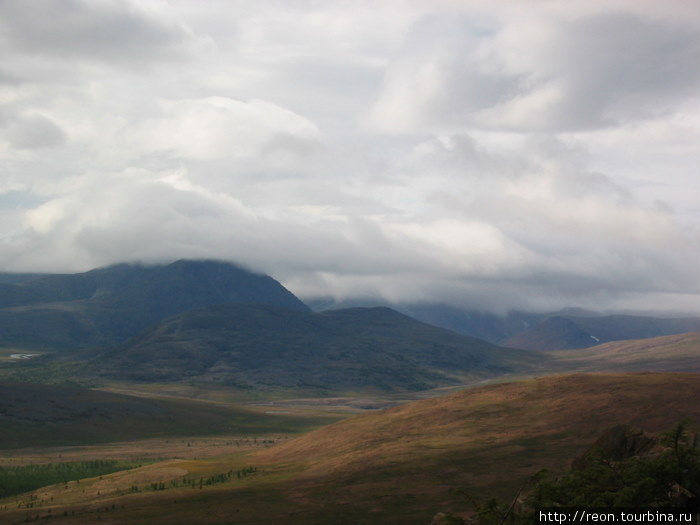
x: 669, y: 353
x: 271, y: 347
x: 553, y: 333
x: 109, y: 305
x: 566, y: 328
x: 558, y: 332
x: 484, y: 325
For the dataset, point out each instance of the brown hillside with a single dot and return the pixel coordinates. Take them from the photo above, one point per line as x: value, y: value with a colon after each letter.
x: 494, y: 436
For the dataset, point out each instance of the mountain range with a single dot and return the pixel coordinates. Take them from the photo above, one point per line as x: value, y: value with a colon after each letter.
x: 564, y: 329
x: 216, y: 323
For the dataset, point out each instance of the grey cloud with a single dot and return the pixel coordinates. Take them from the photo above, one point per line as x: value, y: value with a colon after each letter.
x: 616, y: 67
x: 34, y: 132
x: 102, y: 30
x: 443, y: 76
x: 582, y: 73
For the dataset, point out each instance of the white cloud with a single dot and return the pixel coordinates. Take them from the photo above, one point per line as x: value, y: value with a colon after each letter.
x: 218, y: 127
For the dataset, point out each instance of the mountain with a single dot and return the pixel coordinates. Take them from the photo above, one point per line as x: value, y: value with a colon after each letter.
x: 270, y: 347
x: 670, y: 353
x: 553, y: 333
x: 48, y: 415
x: 564, y: 332
x: 490, y: 327
x: 108, y: 305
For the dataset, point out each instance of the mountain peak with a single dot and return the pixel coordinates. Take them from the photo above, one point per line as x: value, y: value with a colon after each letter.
x: 110, y: 304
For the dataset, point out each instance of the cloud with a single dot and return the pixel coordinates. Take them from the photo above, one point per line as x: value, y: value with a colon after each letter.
x: 538, y: 70
x: 218, y: 127
x: 487, y: 155
x: 102, y: 30
x: 34, y: 132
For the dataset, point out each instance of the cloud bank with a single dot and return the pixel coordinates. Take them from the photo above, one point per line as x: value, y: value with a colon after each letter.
x: 489, y: 155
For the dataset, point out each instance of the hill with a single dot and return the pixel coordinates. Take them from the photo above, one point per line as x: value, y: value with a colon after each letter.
x: 560, y: 411
x: 108, y: 305
x: 43, y: 415
x: 267, y: 347
x: 482, y: 442
x: 567, y: 332
x: 671, y: 353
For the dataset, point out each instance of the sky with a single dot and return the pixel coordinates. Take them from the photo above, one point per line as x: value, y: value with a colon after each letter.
x: 493, y: 155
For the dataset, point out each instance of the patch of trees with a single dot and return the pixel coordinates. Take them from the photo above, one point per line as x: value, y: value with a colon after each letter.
x: 19, y: 479
x: 194, y: 483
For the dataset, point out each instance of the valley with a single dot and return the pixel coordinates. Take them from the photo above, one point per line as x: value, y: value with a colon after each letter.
x: 236, y: 403
x: 348, y: 263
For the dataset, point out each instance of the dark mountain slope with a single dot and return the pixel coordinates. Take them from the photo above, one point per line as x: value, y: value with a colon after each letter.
x: 109, y: 305
x: 266, y: 346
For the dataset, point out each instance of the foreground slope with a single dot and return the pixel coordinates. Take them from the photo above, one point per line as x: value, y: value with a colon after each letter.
x: 546, y: 417
x: 396, y: 466
x: 109, y: 305
x: 341, y: 350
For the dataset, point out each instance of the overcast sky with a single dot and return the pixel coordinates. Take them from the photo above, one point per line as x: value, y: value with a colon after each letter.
x: 532, y: 154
